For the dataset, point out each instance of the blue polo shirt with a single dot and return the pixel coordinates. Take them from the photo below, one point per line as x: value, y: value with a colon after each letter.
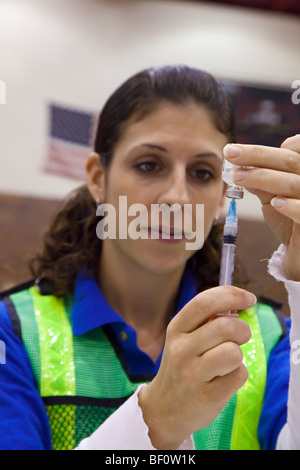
x: 23, y: 419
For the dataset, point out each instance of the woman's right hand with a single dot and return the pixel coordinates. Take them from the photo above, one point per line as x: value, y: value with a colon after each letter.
x: 202, y: 366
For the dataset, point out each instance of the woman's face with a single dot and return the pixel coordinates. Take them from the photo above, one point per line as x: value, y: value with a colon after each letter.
x: 174, y: 156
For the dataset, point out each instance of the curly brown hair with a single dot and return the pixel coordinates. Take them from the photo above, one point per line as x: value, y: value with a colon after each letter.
x: 70, y: 243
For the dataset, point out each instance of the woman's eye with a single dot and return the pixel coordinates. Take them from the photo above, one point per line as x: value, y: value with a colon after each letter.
x: 203, y: 175
x: 147, y: 167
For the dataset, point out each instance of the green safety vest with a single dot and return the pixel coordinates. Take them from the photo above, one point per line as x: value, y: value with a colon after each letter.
x: 83, y: 379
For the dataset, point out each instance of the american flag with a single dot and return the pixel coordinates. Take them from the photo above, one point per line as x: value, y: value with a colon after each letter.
x: 70, y: 139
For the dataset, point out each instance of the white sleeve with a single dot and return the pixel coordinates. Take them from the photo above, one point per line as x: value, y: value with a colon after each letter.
x: 289, y: 437
x: 125, y: 429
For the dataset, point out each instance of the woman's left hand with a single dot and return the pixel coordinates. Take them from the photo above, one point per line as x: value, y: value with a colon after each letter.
x: 275, y: 179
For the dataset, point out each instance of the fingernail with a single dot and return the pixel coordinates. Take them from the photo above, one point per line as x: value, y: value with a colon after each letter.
x: 239, y: 175
x: 232, y: 151
x: 278, y: 202
x: 250, y: 299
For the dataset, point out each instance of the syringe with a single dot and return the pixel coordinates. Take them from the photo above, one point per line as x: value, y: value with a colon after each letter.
x: 228, y: 246
x: 230, y: 232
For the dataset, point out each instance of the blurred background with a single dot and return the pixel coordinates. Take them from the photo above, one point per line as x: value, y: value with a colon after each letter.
x: 61, y: 59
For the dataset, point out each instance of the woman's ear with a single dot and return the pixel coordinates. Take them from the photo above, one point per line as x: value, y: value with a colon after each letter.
x: 95, y: 177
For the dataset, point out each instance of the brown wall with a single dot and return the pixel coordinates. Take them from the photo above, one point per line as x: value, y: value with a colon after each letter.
x: 24, y: 219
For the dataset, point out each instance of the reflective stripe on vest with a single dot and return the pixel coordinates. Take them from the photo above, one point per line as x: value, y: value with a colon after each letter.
x: 236, y: 426
x: 46, y: 325
x: 250, y: 396
x: 265, y: 325
x: 56, y: 346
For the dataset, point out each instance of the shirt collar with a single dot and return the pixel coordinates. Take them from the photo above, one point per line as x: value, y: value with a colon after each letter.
x: 90, y: 308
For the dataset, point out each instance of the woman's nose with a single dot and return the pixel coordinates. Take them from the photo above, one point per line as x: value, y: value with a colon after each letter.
x: 175, y: 189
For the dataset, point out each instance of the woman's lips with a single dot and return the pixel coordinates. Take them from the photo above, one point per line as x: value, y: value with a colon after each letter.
x: 165, y: 235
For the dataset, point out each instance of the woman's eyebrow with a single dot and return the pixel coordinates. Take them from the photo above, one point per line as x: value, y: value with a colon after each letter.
x: 154, y: 147
x: 164, y: 149
x: 209, y: 154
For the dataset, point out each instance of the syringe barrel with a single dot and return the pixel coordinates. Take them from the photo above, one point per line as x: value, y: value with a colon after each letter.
x: 230, y: 232
x: 228, y: 250
x: 227, y: 264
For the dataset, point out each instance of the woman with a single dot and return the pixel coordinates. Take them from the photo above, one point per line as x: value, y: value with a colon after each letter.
x: 120, y: 338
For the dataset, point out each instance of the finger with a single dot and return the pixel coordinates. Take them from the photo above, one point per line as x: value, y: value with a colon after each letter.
x: 282, y: 159
x: 220, y: 361
x: 292, y: 143
x: 222, y: 388
x: 207, y: 304
x: 271, y: 181
x: 220, y: 330
x: 288, y: 207
x: 263, y: 196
